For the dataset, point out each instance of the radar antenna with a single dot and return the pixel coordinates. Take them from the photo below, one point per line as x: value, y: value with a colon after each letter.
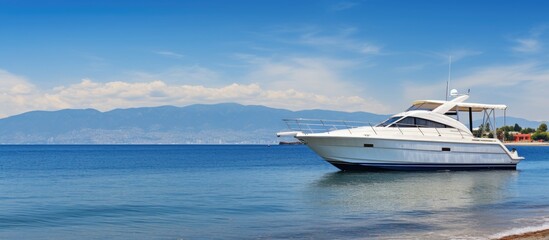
x: 449, y: 77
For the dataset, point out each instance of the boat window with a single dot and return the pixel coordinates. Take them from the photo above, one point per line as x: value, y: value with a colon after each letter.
x: 418, y: 122
x: 388, y: 122
x: 429, y: 124
x: 406, y: 122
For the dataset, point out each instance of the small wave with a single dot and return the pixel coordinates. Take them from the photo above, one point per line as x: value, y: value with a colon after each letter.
x: 522, y: 230
x: 80, y: 214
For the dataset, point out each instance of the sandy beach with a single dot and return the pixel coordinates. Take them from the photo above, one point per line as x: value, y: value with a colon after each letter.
x: 535, y: 235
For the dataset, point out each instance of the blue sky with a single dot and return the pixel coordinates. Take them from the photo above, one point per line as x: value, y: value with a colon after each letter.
x: 374, y: 56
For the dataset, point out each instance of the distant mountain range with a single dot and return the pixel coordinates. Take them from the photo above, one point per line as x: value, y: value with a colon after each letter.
x: 195, y: 124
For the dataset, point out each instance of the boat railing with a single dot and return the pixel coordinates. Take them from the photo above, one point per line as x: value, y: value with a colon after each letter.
x: 320, y: 125
x: 308, y: 126
x: 453, y: 131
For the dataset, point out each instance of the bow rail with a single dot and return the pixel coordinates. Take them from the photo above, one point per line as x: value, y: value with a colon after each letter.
x: 320, y: 125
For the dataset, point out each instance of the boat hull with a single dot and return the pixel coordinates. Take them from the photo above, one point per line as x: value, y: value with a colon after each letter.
x: 347, y: 166
x: 375, y: 154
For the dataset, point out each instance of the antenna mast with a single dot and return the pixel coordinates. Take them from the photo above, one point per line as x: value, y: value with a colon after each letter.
x: 449, y: 76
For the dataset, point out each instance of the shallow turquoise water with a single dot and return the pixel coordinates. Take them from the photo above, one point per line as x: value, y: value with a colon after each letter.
x: 240, y: 192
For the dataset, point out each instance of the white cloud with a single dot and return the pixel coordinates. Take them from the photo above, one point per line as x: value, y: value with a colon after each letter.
x: 319, y: 76
x: 10, y: 83
x: 18, y: 95
x: 527, y: 45
x: 463, y: 53
x: 185, y: 74
x: 531, y: 43
x: 106, y: 96
x: 342, y: 38
x: 523, y: 87
x: 341, y: 41
x: 304, y: 74
x: 456, y: 54
x: 169, y: 54
x: 317, y: 79
x: 370, y: 49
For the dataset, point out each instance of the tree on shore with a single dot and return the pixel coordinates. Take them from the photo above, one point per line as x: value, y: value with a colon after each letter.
x: 542, y: 127
x: 527, y: 130
x: 541, y: 133
x: 540, y: 136
x: 537, y: 134
x: 507, y: 136
x: 500, y: 134
x: 478, y: 132
x: 507, y: 128
x: 504, y: 132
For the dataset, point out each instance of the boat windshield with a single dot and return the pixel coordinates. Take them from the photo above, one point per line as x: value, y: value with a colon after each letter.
x: 421, y: 106
x: 388, y: 122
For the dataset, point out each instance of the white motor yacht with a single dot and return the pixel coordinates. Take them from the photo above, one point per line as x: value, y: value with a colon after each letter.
x: 427, y: 136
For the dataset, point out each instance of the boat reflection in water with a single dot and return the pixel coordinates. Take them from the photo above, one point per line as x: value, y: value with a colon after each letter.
x: 416, y: 204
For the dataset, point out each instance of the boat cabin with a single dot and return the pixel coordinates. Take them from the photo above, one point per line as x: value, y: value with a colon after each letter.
x: 436, y: 114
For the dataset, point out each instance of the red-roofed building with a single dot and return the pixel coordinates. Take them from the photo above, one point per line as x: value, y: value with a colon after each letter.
x: 523, y: 137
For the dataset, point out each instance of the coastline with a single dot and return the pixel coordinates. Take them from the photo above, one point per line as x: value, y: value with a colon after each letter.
x: 526, y: 143
x: 532, y: 235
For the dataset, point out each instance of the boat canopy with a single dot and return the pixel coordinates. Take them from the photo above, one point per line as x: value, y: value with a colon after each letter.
x: 462, y: 106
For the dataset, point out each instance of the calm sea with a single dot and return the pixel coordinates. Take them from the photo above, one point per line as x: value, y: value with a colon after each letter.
x: 251, y: 192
